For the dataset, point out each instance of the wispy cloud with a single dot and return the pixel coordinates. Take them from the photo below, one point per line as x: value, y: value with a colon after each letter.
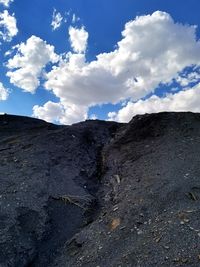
x: 75, y: 18
x: 4, y: 92
x: 6, y: 3
x: 57, y: 20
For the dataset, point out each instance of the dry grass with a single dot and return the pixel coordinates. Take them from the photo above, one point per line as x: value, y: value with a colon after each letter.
x: 80, y: 201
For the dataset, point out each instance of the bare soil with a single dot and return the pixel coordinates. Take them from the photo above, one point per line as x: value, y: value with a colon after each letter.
x: 100, y: 194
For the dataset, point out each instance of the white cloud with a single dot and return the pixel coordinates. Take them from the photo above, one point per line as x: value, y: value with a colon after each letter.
x: 185, y: 80
x: 112, y: 116
x: 93, y: 117
x: 187, y: 100
x: 57, y: 112
x: 153, y: 50
x: 3, y: 92
x: 78, y: 39
x: 75, y: 18
x: 27, y: 65
x: 57, y: 20
x: 6, y: 3
x: 50, y: 111
x: 8, y: 26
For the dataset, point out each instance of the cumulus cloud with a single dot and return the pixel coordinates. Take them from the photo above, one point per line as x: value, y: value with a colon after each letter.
x: 8, y: 26
x: 186, y: 100
x: 78, y: 39
x: 6, y: 3
x: 57, y: 20
x: 3, y: 92
x: 50, y: 111
x: 153, y: 50
x: 27, y: 64
x: 57, y: 112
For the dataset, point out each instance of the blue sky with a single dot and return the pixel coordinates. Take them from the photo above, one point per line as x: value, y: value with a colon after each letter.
x: 104, y: 59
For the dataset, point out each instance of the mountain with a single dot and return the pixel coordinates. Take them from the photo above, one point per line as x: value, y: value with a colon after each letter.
x: 100, y: 194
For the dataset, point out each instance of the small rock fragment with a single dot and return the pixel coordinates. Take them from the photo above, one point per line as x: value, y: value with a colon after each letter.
x: 115, y: 208
x: 192, y: 196
x: 158, y: 239
x: 117, y: 178
x: 115, y: 223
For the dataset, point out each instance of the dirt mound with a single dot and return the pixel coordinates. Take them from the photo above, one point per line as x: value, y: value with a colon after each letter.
x: 100, y: 193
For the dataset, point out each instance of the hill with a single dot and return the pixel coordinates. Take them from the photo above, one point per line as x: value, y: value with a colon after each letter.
x: 100, y: 193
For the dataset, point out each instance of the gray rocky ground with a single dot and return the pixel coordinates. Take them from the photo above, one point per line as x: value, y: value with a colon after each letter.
x: 100, y: 194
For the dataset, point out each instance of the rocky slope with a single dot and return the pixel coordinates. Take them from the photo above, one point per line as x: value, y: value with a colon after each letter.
x: 100, y: 193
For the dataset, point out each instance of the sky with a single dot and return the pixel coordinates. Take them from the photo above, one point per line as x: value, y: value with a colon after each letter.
x: 66, y: 61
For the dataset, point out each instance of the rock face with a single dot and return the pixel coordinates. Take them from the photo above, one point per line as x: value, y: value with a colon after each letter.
x: 100, y: 193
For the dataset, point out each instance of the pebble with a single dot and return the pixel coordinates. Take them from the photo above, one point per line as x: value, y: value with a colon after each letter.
x: 139, y: 232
